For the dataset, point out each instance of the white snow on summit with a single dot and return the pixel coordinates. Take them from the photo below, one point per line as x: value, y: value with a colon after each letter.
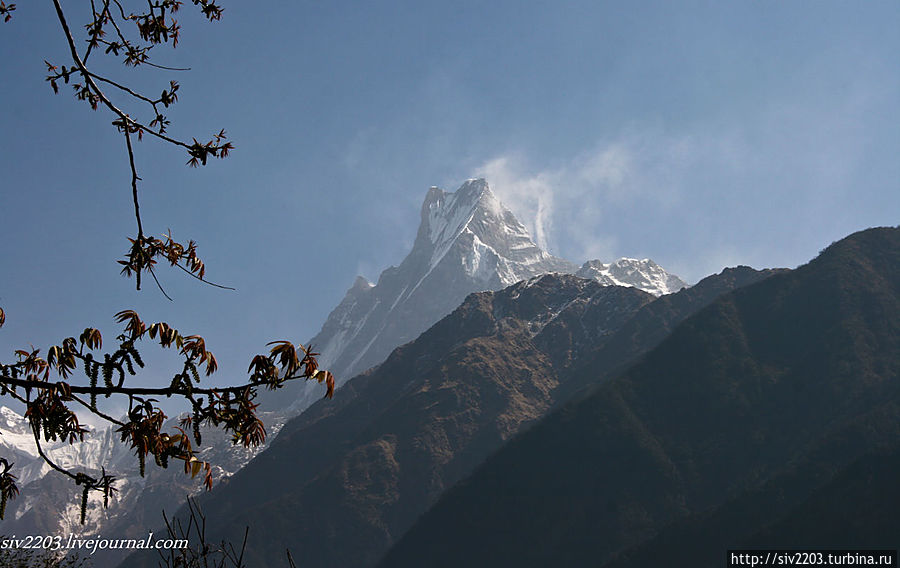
x: 643, y: 274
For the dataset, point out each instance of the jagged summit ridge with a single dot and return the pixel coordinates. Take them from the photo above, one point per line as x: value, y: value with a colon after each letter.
x: 474, y: 209
x: 644, y: 274
x: 496, y: 245
x: 467, y: 242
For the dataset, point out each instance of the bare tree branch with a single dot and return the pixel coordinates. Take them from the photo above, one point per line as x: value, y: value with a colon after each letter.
x: 231, y: 408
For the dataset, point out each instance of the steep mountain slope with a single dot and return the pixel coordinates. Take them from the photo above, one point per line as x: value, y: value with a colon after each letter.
x: 343, y: 480
x: 652, y: 324
x: 782, y: 388
x: 855, y: 509
x: 348, y: 476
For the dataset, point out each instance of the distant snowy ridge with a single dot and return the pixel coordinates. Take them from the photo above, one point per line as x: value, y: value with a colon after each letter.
x: 101, y: 448
x: 50, y: 502
x: 643, y: 274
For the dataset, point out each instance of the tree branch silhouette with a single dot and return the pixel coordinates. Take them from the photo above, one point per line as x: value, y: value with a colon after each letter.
x: 49, y: 385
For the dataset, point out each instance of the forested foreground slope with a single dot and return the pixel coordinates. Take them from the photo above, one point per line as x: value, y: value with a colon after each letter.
x: 347, y: 478
x: 755, y: 422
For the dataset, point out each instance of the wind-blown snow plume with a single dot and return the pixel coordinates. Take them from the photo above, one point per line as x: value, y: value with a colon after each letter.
x: 555, y: 198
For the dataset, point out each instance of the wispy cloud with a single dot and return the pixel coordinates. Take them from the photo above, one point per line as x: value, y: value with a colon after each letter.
x: 567, y: 206
x: 765, y: 189
x: 529, y: 195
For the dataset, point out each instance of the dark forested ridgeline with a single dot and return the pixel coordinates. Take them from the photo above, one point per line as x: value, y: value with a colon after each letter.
x: 770, y: 418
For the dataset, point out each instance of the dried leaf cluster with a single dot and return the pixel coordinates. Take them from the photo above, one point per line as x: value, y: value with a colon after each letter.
x: 46, y: 386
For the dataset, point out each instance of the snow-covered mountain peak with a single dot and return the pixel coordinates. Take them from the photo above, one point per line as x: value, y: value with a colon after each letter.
x: 492, y: 244
x: 467, y: 242
x: 644, y: 274
x: 445, y: 215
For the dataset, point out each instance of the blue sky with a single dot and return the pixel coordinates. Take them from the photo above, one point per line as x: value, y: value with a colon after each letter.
x: 700, y: 134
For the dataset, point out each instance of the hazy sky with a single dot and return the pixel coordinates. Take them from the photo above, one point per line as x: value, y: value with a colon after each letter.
x: 699, y: 134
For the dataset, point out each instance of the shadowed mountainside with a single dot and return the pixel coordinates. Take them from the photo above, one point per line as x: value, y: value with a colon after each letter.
x: 347, y: 477
x: 753, y: 416
x: 344, y: 479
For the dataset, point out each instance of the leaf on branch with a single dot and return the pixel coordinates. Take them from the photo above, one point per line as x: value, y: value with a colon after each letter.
x: 8, y: 488
x: 286, y: 355
x: 329, y: 386
x: 230, y: 408
x: 47, y: 414
x: 194, y: 465
x: 211, y: 364
x: 169, y: 97
x: 200, y: 153
x: 328, y: 379
x: 135, y: 326
x: 91, y: 338
x: 6, y: 11
x: 65, y: 391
